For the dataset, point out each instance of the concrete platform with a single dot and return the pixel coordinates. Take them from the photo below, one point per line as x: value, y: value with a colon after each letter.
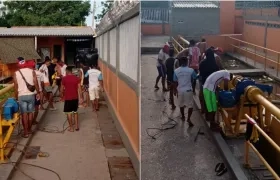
x: 73, y: 155
x: 6, y: 170
x: 175, y: 154
x: 248, y: 72
x: 269, y: 71
x: 152, y: 44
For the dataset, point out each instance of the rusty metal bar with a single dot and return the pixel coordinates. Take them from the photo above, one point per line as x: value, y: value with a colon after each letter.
x: 255, y: 56
x: 278, y: 65
x: 184, y: 40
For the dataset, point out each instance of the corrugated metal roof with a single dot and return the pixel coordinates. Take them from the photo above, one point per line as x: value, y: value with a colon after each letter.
x: 154, y: 15
x: 195, y: 4
x: 12, y: 48
x: 47, y: 31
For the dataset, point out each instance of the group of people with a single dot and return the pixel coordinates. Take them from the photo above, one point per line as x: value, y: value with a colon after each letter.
x: 197, y: 62
x: 34, y: 86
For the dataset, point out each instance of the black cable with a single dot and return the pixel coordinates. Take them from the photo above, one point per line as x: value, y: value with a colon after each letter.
x: 170, y: 124
x: 56, y: 130
x: 17, y: 168
x: 40, y: 154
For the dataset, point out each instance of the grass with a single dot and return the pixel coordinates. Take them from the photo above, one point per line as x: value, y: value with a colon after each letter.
x: 7, y: 94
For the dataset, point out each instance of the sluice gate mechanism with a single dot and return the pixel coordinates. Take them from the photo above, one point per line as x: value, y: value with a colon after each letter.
x: 248, y: 110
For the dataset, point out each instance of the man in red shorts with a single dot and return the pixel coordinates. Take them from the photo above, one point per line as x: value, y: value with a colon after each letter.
x: 70, y: 90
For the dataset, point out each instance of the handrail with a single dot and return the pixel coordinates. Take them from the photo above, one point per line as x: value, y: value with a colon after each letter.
x: 254, y: 53
x: 253, y: 45
x: 249, y: 144
x: 176, y: 43
x: 184, y: 40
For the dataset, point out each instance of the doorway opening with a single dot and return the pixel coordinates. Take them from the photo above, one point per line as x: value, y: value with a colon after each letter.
x: 73, y: 45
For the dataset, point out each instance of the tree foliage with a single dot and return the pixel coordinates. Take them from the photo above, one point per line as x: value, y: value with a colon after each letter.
x: 46, y: 13
x: 106, y: 6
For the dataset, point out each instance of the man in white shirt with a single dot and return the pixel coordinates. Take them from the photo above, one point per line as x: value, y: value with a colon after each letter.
x: 47, y: 86
x: 162, y: 56
x: 95, y: 82
x: 26, y: 86
x: 209, y: 92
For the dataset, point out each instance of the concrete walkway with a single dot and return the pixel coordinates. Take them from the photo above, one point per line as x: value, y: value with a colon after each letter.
x: 175, y: 154
x: 73, y: 155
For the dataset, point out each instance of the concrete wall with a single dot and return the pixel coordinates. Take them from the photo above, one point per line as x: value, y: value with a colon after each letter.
x: 195, y: 22
x: 119, y: 50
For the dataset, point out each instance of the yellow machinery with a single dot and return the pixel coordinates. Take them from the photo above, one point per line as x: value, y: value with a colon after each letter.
x: 248, y: 100
x: 7, y: 126
x: 246, y: 97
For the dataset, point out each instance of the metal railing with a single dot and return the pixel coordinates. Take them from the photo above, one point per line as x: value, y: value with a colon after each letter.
x: 179, y: 43
x: 249, y: 145
x: 257, y: 56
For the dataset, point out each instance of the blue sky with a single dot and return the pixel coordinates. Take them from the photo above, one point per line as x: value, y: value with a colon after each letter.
x: 98, y: 10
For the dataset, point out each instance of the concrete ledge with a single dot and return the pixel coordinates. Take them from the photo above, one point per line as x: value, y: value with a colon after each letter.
x: 6, y: 170
x: 126, y: 142
x: 150, y: 50
x: 231, y: 162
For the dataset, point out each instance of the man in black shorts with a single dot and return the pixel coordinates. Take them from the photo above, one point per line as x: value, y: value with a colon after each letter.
x: 169, y: 63
x: 70, y: 90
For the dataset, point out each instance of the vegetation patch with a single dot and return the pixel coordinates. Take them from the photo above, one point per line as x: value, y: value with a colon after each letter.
x: 7, y: 94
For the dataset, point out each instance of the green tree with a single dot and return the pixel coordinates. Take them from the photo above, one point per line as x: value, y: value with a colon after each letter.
x: 107, y: 5
x: 46, y: 13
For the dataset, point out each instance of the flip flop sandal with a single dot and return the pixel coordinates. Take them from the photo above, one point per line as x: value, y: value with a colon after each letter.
x: 223, y: 171
x: 77, y: 129
x: 219, y: 167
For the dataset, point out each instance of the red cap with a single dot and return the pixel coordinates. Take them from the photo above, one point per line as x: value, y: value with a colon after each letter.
x: 166, y: 48
x: 218, y: 49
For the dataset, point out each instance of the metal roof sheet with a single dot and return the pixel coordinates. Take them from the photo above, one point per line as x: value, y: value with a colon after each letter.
x: 47, y: 31
x: 195, y: 4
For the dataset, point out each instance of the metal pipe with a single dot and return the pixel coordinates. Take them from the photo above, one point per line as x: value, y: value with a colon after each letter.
x: 184, y: 40
x: 263, y: 133
x: 267, y: 104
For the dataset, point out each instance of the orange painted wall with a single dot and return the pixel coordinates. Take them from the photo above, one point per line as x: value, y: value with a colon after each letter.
x: 118, y: 92
x: 155, y: 29
x: 49, y: 42
x: 227, y: 15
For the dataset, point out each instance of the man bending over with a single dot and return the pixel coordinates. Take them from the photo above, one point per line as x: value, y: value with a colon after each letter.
x: 209, y: 92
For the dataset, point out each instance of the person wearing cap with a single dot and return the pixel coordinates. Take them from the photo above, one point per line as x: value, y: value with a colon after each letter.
x: 209, y: 91
x: 26, y: 86
x: 162, y: 56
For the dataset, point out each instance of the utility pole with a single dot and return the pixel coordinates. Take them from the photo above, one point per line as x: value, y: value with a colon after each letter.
x: 93, y: 14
